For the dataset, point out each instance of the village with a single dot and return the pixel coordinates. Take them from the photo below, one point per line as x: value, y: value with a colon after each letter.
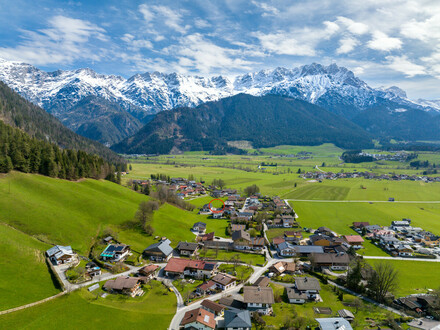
x: 233, y: 294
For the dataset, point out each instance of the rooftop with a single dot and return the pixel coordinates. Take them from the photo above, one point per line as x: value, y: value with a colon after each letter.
x: 199, y: 315
x: 258, y: 295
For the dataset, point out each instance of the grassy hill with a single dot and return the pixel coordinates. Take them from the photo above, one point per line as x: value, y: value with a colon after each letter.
x: 24, y: 273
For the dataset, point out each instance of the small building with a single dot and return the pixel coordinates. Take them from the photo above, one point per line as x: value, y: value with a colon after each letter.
x: 334, y: 261
x: 207, y: 287
x: 360, y: 225
x: 295, y: 296
x: 187, y: 249
x: 242, y: 240
x: 206, y: 237
x: 199, y: 227
x: 258, y: 299
x: 282, y: 267
x: 237, y: 227
x: 308, y: 285
x: 346, y: 314
x: 307, y: 250
x: 149, y: 271
x: 92, y: 269
x: 160, y: 251
x: 262, y: 281
x: 124, y: 285
x: 236, y: 319
x: 224, y: 281
x: 293, y: 236
x: 193, y: 268
x: 61, y: 254
x: 199, y: 319
x: 354, y: 240
x: 212, y: 307
x: 334, y: 323
x: 115, y: 252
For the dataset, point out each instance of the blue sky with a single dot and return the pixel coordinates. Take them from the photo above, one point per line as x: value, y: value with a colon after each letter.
x: 384, y: 42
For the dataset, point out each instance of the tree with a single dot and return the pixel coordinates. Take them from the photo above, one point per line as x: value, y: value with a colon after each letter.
x: 130, y: 167
x: 253, y: 232
x: 146, y: 189
x: 299, y: 171
x: 354, y: 275
x: 251, y: 190
x: 383, y: 279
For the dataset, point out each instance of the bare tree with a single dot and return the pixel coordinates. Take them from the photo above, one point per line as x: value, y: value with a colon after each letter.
x: 383, y: 280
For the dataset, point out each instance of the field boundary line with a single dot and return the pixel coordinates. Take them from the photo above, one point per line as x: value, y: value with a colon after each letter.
x: 32, y: 304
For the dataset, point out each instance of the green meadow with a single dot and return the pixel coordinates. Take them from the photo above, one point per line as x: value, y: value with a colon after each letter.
x: 81, y: 309
x: 24, y: 273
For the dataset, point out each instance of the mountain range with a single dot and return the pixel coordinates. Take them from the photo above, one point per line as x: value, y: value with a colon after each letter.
x: 110, y: 108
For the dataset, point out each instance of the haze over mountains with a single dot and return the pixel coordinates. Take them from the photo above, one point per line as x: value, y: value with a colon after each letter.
x: 110, y: 108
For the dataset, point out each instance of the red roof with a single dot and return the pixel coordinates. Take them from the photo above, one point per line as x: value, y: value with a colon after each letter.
x: 148, y: 269
x: 207, y: 285
x: 360, y: 224
x: 207, y: 237
x: 178, y: 265
x: 199, y: 315
x: 353, y: 239
x: 278, y: 240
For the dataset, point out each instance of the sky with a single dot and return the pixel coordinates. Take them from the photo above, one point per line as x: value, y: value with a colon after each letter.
x: 384, y: 42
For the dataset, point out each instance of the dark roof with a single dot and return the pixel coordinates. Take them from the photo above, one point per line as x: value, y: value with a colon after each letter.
x: 262, y: 281
x: 307, y: 283
x: 223, y: 279
x: 237, y: 319
x: 187, y: 246
x: 241, y: 234
x: 199, y: 224
x: 346, y: 314
x: 212, y: 305
x: 231, y: 302
x: 162, y: 246
x: 292, y: 293
x: 258, y: 295
x: 331, y: 258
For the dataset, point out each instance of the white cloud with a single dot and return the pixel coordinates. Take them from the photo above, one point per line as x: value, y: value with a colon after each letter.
x: 136, y: 44
x: 201, y: 23
x: 427, y: 30
x: 267, y: 9
x: 383, y: 42
x: 164, y: 15
x: 352, y: 26
x: 346, y: 45
x: 404, y: 65
x: 65, y: 40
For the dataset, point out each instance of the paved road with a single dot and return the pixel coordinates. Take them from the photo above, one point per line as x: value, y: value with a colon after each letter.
x: 400, y: 258
x: 360, y: 201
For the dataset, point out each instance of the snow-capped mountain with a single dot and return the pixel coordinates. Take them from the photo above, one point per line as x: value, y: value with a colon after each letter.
x: 333, y: 87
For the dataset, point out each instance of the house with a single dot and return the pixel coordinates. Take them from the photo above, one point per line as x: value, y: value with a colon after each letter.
x: 334, y: 323
x: 286, y: 249
x: 61, y: 254
x: 124, y: 285
x: 288, y: 221
x: 277, y: 241
x: 193, y: 268
x: 187, y: 249
x: 346, y: 314
x: 282, y: 267
x: 262, y: 281
x: 373, y: 228
x: 217, y: 215
x: 295, y: 296
x: 325, y: 231
x: 354, y: 240
x: 206, y: 287
x: 230, y: 302
x: 325, y: 240
x: 213, y: 307
x: 199, y: 227
x: 237, y: 320
x: 360, y: 225
x: 293, y: 236
x: 224, y: 281
x: 237, y: 227
x: 199, y: 319
x: 307, y: 250
x: 258, y: 299
x: 206, y: 237
x: 334, y: 261
x: 404, y: 250
x: 308, y: 285
x: 92, y: 269
x: 257, y: 243
x: 149, y: 271
x: 115, y: 252
x: 160, y: 251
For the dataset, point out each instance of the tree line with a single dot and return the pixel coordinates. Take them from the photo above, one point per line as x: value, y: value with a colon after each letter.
x: 20, y: 152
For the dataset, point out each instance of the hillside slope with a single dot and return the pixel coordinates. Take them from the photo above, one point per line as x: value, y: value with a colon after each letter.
x: 265, y: 121
x: 17, y: 112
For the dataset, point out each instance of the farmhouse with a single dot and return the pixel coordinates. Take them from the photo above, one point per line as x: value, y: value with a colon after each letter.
x: 334, y: 261
x: 115, y: 252
x: 212, y: 307
x: 198, y: 319
x: 224, y: 281
x: 258, y: 299
x: 61, y: 254
x: 354, y: 240
x: 124, y: 285
x: 187, y: 249
x: 308, y: 285
x: 160, y: 251
x: 193, y: 268
x: 206, y: 287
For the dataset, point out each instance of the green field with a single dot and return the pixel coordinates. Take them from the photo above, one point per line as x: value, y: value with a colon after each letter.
x: 81, y: 309
x: 24, y: 273
x: 414, y: 276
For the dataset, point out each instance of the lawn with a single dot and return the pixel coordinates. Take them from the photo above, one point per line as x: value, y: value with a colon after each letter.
x: 284, y: 311
x: 81, y: 308
x: 241, y: 272
x: 414, y: 276
x: 64, y: 212
x: 25, y: 277
x: 227, y: 255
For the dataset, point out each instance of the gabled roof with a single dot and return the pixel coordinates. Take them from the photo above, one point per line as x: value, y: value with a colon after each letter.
x: 206, y: 286
x: 178, y: 265
x: 199, y: 315
x: 278, y: 240
x: 148, y: 269
x: 212, y: 305
x: 308, y: 249
x: 262, y: 281
x: 223, y: 279
x: 292, y: 293
x: 237, y: 319
x: 59, y: 250
x: 258, y: 295
x: 241, y: 234
x: 307, y: 283
x: 188, y: 246
x: 331, y: 258
x: 346, y: 314
x: 162, y: 246
x: 121, y: 283
x: 353, y: 238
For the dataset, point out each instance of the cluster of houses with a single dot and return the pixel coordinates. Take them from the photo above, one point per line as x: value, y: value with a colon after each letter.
x: 324, y: 248
x: 421, y: 304
x: 367, y: 175
x: 400, y: 238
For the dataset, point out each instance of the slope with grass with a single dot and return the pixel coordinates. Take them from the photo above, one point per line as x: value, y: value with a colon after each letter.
x: 64, y: 212
x: 84, y: 309
x: 25, y: 276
